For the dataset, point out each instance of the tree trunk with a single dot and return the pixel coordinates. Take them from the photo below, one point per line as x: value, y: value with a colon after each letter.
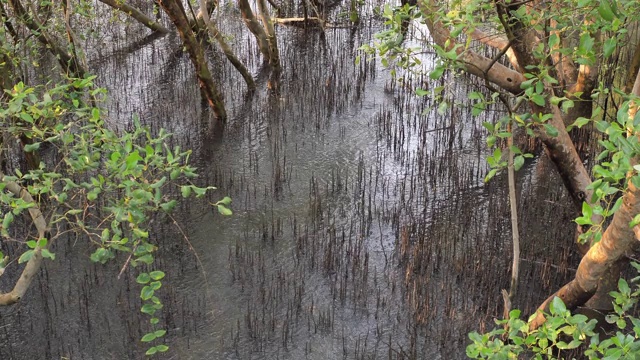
x: 198, y: 21
x: 136, y: 14
x: 254, y: 26
x: 272, y: 41
x: 176, y: 13
x: 215, y: 33
x: 601, y: 263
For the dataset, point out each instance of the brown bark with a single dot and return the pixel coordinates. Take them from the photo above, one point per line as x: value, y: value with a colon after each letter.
x: 560, y: 148
x: 254, y: 26
x: 176, y: 13
x: 633, y: 69
x: 272, y: 41
x: 69, y: 63
x: 136, y: 14
x: 226, y: 49
x: 616, y: 241
x: 33, y: 265
x: 198, y: 21
x: 475, y: 64
x: 602, y: 260
x: 497, y: 42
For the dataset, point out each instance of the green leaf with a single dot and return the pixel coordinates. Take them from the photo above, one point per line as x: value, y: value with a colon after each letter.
x: 586, y: 43
x: 160, y: 333
x: 159, y: 183
x: 31, y: 147
x: 169, y: 206
x: 491, y: 174
x: 226, y: 201
x: 155, y: 285
x: 580, y: 122
x: 518, y: 161
x: 557, y: 306
x: 538, y: 99
x: 8, y: 219
x: 48, y: 255
x: 162, y: 348
x: 143, y: 278
x: 26, y: 117
x: 147, y: 259
x: 186, y: 190
x: 587, y: 211
x: 609, y: 46
x: 148, y: 337
x: 146, y: 293
x: 26, y: 256
x: 550, y: 130
x: 437, y: 72
x: 605, y: 10
x: 421, y: 92
x: 132, y: 159
x: 148, y: 309
x: 157, y: 275
x: 224, y: 210
x: 151, y: 351
x: 624, y: 286
x: 32, y: 244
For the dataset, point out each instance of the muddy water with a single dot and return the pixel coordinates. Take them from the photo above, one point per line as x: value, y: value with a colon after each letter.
x: 362, y: 228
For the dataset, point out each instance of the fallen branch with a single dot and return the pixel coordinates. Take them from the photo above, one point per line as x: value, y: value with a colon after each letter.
x: 300, y: 21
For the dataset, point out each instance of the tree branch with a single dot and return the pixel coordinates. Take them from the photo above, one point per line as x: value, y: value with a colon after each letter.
x: 477, y: 65
x: 497, y: 42
x: 33, y: 265
x: 136, y: 14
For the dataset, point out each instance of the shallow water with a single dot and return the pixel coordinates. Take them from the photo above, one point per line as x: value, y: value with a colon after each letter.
x: 362, y: 227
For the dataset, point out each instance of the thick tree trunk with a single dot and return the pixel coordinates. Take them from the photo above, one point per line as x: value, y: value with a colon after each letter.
x: 226, y: 49
x: 176, y: 13
x: 136, y: 14
x: 254, y: 26
x: 598, y: 267
x: 560, y: 148
x: 618, y: 239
